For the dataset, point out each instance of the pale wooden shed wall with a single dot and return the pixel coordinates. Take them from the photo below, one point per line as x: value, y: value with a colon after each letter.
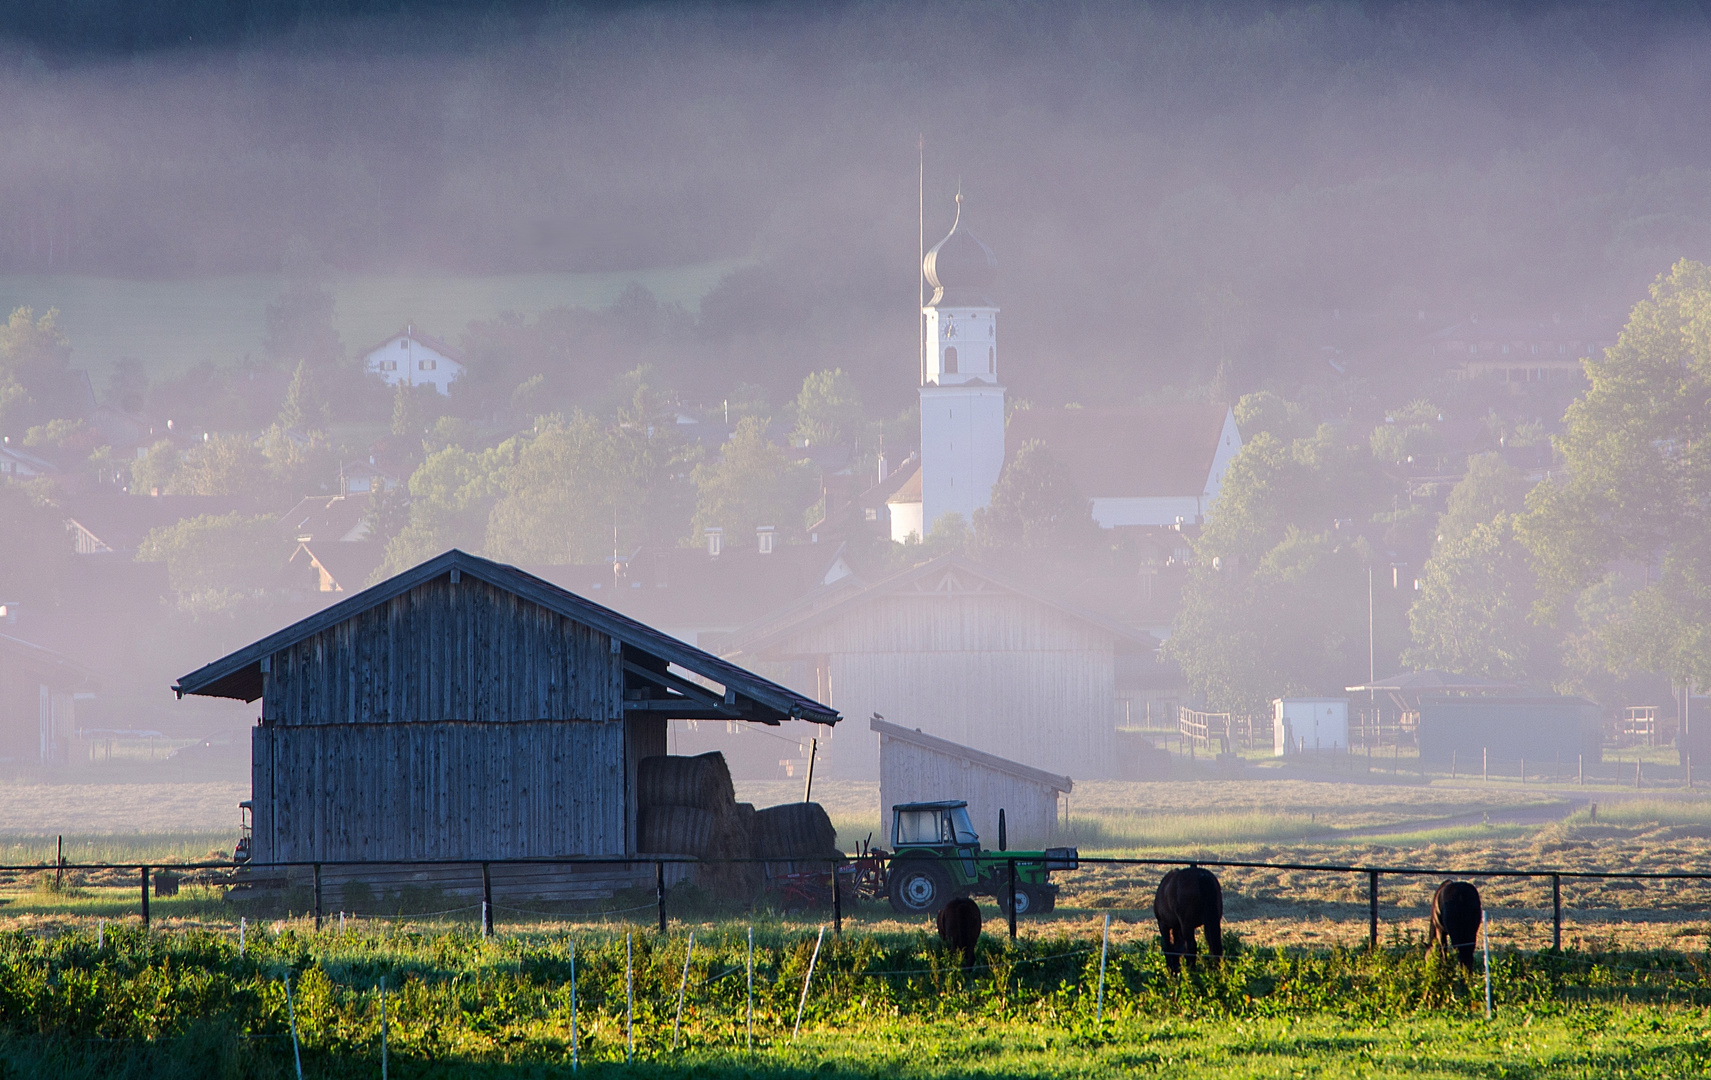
x: 910, y: 773
x: 993, y: 670
x: 453, y: 721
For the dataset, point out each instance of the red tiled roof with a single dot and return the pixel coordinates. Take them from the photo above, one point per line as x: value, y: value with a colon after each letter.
x: 1129, y: 452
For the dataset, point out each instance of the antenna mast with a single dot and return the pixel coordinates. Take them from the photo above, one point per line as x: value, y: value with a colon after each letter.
x: 921, y: 248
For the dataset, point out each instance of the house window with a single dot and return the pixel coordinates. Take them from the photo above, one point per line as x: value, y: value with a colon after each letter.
x: 426, y: 365
x: 950, y: 360
x: 404, y: 344
x: 872, y: 514
x: 991, y: 358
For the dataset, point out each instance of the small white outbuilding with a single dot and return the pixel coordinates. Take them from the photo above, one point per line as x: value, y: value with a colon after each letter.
x: 1299, y: 725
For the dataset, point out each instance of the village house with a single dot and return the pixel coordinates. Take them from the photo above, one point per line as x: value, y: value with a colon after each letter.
x: 413, y: 358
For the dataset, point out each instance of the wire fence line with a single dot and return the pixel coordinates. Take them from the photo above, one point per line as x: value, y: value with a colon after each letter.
x: 1373, y: 873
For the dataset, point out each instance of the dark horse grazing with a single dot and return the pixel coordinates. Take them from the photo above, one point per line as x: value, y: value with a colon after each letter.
x: 1455, y: 919
x: 959, y: 927
x: 1188, y: 898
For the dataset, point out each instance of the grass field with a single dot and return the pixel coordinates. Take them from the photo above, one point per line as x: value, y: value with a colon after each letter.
x: 1297, y: 996
x: 880, y: 1004
x: 171, y: 325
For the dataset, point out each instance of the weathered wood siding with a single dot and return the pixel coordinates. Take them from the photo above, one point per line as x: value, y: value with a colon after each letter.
x: 993, y: 670
x: 910, y: 773
x: 446, y: 652
x: 449, y: 790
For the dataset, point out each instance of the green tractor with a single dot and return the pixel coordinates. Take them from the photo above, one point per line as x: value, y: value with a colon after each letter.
x: 936, y: 855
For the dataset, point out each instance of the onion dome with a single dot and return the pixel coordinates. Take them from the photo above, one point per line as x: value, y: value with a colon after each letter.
x: 960, y: 267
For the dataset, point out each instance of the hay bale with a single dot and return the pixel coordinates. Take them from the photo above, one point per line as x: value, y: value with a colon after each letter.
x: 794, y: 831
x: 677, y: 830
x: 702, y: 781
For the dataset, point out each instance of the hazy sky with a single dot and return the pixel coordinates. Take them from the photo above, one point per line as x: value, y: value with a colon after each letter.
x: 1165, y: 186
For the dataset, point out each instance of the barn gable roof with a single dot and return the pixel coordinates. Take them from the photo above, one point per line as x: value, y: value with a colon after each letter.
x: 748, y: 696
x: 946, y: 575
x: 978, y: 758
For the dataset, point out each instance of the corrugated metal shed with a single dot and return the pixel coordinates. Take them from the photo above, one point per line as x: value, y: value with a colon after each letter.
x: 916, y: 767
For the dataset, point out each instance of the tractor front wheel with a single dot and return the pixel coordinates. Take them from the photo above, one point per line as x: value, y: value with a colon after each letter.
x: 919, y: 888
x: 1027, y: 901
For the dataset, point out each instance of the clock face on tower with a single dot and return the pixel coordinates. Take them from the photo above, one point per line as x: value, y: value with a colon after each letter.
x: 950, y: 329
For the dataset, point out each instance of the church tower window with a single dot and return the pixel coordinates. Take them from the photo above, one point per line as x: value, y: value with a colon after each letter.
x: 950, y: 360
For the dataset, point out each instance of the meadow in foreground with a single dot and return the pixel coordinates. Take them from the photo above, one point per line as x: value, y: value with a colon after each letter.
x: 185, y: 1003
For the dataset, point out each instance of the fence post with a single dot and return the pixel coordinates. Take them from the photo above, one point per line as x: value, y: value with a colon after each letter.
x: 317, y: 896
x: 1372, y: 910
x: 1556, y: 912
x: 837, y: 904
x: 629, y: 997
x: 486, y: 901
x: 807, y: 980
x: 383, y: 1027
x: 1484, y: 763
x: 1012, y: 899
x: 145, y: 877
x: 573, y: 1062
x: 659, y: 891
x: 1104, y: 945
x: 1580, y: 769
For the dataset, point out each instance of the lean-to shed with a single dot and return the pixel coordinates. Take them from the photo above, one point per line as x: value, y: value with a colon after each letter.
x: 466, y: 710
x: 1500, y: 733
x: 917, y: 767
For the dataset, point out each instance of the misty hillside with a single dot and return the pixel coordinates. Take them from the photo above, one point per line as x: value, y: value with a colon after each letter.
x: 1167, y: 188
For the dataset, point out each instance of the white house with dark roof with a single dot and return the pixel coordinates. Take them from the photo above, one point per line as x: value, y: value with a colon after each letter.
x: 414, y: 359
x: 1139, y: 466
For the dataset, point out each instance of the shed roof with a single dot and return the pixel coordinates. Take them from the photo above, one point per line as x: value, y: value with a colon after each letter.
x: 1127, y: 452
x: 756, y: 699
x: 1431, y: 680
x: 948, y: 575
x: 969, y: 754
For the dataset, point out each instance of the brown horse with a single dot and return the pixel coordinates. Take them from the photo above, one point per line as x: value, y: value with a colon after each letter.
x: 1456, y: 916
x: 959, y: 927
x: 1188, y: 898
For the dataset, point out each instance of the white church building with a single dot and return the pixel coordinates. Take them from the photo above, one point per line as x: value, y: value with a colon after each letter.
x: 414, y: 359
x: 1140, y: 467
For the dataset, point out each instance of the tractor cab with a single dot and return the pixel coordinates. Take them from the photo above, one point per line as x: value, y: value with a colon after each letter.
x: 932, y: 825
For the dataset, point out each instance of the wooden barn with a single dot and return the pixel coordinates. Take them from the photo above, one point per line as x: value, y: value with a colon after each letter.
x: 917, y: 767
x: 466, y: 710
x: 38, y: 703
x: 951, y: 648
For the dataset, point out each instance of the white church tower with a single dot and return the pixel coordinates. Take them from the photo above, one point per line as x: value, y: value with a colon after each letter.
x: 962, y: 402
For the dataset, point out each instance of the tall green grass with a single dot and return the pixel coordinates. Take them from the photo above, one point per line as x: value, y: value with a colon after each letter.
x: 879, y: 1004
x: 178, y: 846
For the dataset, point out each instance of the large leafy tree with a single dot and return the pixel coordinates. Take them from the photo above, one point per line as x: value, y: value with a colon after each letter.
x: 1276, y: 602
x: 752, y: 483
x: 1036, y: 508
x: 579, y: 487
x: 36, y: 380
x: 1637, y: 487
x: 219, y: 564
x: 828, y: 409
x: 1472, y: 616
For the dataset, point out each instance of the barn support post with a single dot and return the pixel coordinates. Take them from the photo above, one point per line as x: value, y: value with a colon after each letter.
x: 1556, y: 913
x: 1012, y: 898
x: 317, y: 896
x: 1372, y: 910
x: 659, y: 891
x: 145, y: 877
x: 486, y: 900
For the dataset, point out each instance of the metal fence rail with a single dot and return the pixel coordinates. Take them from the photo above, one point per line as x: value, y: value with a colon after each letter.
x: 1372, y: 873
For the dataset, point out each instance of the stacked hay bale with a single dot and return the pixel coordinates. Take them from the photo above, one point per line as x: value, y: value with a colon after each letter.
x: 794, y: 838
x: 689, y: 807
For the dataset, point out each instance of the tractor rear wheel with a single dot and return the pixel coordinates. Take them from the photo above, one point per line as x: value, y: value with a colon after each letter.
x: 919, y: 888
